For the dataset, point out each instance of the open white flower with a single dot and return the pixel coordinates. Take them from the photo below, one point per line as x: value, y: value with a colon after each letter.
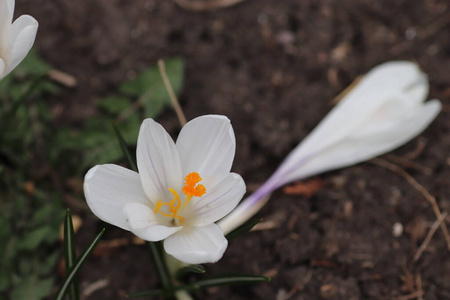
x: 16, y: 39
x: 180, y: 191
x: 383, y: 111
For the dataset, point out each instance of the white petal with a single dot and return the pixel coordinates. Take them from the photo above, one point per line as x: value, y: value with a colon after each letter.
x: 357, y: 148
x: 418, y: 91
x: 375, y: 89
x: 108, y: 188
x: 143, y: 222
x: 217, y: 202
x: 6, y: 13
x: 207, y: 145
x: 22, y: 35
x: 158, y: 162
x: 2, y: 68
x: 197, y: 245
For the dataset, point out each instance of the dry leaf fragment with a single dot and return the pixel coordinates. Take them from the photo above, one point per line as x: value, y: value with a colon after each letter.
x: 308, y: 188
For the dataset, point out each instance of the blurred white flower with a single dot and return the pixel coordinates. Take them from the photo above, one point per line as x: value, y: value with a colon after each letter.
x: 16, y: 39
x: 383, y: 111
x: 180, y: 191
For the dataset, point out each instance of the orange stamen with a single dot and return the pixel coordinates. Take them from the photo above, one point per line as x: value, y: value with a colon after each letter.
x: 191, y: 188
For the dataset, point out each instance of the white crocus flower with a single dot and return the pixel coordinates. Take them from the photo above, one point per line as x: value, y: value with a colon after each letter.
x: 180, y: 191
x: 383, y: 111
x: 16, y: 39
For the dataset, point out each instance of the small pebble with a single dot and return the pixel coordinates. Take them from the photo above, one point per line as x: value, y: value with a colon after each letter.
x: 397, y: 229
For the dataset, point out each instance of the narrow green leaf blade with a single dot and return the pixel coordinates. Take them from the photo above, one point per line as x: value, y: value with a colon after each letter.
x: 227, y: 280
x: 70, y: 254
x: 206, y: 283
x: 124, y: 147
x: 146, y: 294
x: 160, y: 264
x: 244, y: 228
x: 184, y: 272
x: 74, y: 270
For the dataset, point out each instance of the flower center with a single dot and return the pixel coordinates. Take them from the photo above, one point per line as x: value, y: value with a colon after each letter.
x: 191, y: 189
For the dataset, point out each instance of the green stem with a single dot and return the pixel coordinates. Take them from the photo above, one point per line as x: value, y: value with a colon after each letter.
x: 160, y: 265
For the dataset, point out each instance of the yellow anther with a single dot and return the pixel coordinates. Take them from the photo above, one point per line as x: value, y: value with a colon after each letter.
x: 191, y: 188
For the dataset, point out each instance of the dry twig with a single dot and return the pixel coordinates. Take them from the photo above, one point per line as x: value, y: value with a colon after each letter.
x: 200, y: 5
x: 299, y: 285
x: 63, y: 78
x: 419, y: 286
x: 95, y: 286
x: 427, y: 239
x: 396, y: 169
x: 421, y: 143
x: 410, y: 296
x: 429, y: 31
x: 173, y: 97
x: 407, y: 163
x: 347, y: 90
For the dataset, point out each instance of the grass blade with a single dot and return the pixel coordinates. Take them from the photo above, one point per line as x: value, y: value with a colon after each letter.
x: 206, y: 283
x: 11, y: 111
x: 70, y: 254
x: 227, y: 280
x: 123, y: 146
x: 147, y: 294
x: 74, y: 270
x: 184, y: 272
x: 244, y: 228
x: 160, y: 264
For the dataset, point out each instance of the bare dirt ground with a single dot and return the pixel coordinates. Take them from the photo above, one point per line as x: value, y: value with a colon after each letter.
x: 273, y: 67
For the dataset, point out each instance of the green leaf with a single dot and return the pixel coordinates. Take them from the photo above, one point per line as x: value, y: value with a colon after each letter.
x: 244, y: 228
x: 150, y: 89
x: 46, y: 265
x: 10, y: 112
x: 33, y: 64
x: 74, y: 270
x: 185, y: 271
x: 33, y: 239
x: 97, y: 143
x: 70, y: 254
x: 40, y: 216
x: 31, y: 288
x: 114, y: 104
x: 7, y: 253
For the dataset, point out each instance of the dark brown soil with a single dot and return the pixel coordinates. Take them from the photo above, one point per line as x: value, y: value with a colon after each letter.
x: 273, y: 68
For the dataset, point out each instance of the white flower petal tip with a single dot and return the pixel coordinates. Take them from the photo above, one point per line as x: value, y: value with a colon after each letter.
x: 16, y: 39
x: 212, y: 152
x: 385, y: 110
x: 196, y: 245
x: 158, y: 161
x: 108, y: 188
x: 180, y: 191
